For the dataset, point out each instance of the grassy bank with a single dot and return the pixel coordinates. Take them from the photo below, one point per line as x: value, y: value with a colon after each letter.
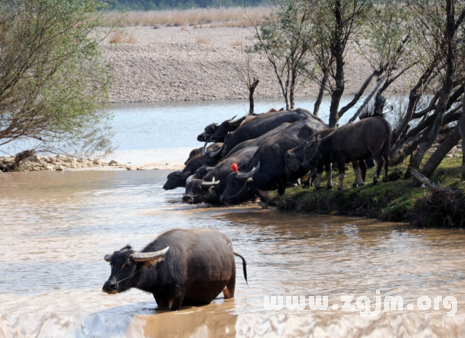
x: 395, y: 201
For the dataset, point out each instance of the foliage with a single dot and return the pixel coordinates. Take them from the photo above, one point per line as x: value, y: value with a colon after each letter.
x: 52, y: 79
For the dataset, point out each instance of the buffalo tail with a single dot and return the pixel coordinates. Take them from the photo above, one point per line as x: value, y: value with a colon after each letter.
x: 244, y: 267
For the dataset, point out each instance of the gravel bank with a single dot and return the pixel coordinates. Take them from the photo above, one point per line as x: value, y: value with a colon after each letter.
x: 195, y: 64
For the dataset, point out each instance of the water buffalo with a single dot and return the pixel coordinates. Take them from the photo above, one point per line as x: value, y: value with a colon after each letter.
x: 178, y: 178
x: 193, y: 152
x: 370, y: 137
x: 180, y: 267
x: 209, y: 188
x: 208, y: 132
x: 215, y: 156
x: 261, y: 125
x: 226, y: 127
x: 266, y: 170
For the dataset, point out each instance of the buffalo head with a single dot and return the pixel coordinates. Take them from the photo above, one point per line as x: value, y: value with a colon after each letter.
x: 224, y: 128
x: 291, y: 162
x: 176, y: 179
x: 237, y: 186
x: 208, y: 132
x: 311, y: 151
x: 197, y: 190
x: 126, y: 267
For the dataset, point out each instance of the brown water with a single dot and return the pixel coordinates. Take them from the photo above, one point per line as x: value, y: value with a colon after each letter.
x: 56, y: 227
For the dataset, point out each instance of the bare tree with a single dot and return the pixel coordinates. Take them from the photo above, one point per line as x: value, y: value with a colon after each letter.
x: 283, y: 40
x: 248, y: 77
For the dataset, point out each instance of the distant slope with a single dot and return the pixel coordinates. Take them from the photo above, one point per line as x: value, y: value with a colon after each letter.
x: 180, y: 4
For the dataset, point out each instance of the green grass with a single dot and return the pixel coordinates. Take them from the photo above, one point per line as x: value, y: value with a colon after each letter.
x: 391, y: 201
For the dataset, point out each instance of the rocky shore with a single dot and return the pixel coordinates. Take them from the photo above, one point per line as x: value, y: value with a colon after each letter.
x: 54, y: 163
x: 195, y: 64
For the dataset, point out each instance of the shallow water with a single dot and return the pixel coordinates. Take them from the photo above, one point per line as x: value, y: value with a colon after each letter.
x: 56, y: 228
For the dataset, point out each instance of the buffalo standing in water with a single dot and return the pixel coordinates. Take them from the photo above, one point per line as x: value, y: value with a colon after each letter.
x: 370, y: 137
x: 180, y: 267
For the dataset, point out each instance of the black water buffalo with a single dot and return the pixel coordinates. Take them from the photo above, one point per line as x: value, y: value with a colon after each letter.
x: 261, y: 125
x: 294, y: 159
x: 209, y: 188
x: 180, y: 267
x: 228, y: 126
x: 215, y: 156
x: 208, y: 132
x: 178, y: 178
x: 193, y: 152
x: 370, y: 137
x: 266, y: 170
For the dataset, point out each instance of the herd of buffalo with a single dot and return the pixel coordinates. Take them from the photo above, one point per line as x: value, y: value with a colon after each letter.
x: 262, y: 152
x: 249, y: 157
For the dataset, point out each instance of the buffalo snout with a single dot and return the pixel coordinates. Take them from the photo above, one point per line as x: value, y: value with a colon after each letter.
x: 110, y: 287
x: 187, y: 198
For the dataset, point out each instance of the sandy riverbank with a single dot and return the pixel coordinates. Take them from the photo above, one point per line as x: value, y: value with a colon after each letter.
x: 195, y: 64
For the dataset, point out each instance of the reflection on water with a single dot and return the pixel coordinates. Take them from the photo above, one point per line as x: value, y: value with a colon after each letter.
x: 56, y: 227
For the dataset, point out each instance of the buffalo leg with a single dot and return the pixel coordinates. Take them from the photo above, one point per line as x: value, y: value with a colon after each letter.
x: 311, y: 178
x: 228, y: 290
x: 329, y: 176
x: 263, y: 194
x: 363, y: 168
x: 379, y: 165
x: 358, y: 174
x: 385, y: 164
x: 176, y: 303
x: 342, y: 170
x: 319, y: 173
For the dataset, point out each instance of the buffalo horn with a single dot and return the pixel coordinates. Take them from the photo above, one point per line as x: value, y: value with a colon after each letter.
x: 189, y: 179
x: 233, y: 117
x: 244, y: 176
x: 210, y: 184
x: 209, y: 168
x: 148, y: 256
x: 215, y: 153
x: 107, y: 257
x: 204, y: 149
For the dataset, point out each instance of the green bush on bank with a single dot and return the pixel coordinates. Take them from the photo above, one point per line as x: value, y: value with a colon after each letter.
x: 395, y: 201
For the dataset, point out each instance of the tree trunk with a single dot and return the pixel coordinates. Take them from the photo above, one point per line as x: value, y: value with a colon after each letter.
x: 338, y: 54
x: 435, y: 159
x: 321, y: 93
x: 461, y: 127
x: 292, y: 87
x: 401, y: 151
x: 447, y: 88
x: 251, y: 91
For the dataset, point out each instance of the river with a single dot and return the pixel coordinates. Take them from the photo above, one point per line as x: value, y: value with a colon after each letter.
x: 57, y: 226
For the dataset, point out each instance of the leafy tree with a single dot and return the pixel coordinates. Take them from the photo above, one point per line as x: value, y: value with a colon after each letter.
x: 52, y: 79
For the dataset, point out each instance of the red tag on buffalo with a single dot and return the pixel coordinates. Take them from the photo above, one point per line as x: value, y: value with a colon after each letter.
x: 234, y: 167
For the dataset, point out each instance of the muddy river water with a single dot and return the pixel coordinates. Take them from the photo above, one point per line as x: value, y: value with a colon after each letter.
x: 56, y: 227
